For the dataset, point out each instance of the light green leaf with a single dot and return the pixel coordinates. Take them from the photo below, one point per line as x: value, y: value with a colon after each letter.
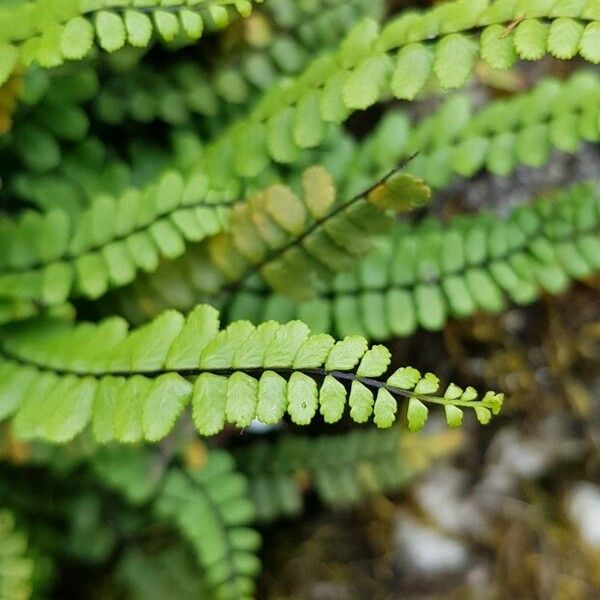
x: 589, y: 46
x: 404, y: 378
x: 455, y: 60
x: 429, y: 384
x: 497, y: 47
x: 139, y: 28
x: 564, y: 38
x: 242, y: 397
x: 345, y: 354
x: 272, y: 398
x: 454, y: 415
x: 453, y: 392
x: 375, y: 362
x: 366, y: 82
x: 302, y: 398
x: 110, y: 30
x: 484, y: 416
x: 201, y: 326
x: 413, y: 68
x: 332, y: 399
x: 417, y: 414
x: 192, y: 24
x: 77, y: 38
x: 530, y: 39
x: 168, y: 396
x: 166, y: 24
x: 288, y: 340
x: 361, y: 402
x: 385, y: 409
x: 209, y: 398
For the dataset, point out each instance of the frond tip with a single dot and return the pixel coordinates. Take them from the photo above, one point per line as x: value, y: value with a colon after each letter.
x: 58, y: 378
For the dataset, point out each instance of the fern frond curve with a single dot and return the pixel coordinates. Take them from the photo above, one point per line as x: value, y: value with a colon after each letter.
x: 293, y: 242
x: 456, y: 139
x: 58, y: 378
x: 278, y: 41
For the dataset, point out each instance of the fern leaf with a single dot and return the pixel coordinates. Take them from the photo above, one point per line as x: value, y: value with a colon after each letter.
x: 120, y: 383
x: 366, y: 72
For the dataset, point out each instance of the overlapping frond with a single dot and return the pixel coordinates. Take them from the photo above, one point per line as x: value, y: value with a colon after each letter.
x: 48, y: 257
x: 278, y: 40
x: 456, y: 139
x: 294, y: 242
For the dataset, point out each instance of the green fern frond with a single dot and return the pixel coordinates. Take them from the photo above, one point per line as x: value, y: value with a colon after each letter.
x: 116, y: 237
x: 442, y: 43
x: 342, y: 468
x: 459, y: 140
x: 425, y: 274
x: 208, y: 505
x: 109, y: 242
x: 293, y: 243
x: 211, y: 509
x: 456, y: 139
x: 58, y: 378
x: 50, y: 32
x: 278, y: 40
x: 16, y: 567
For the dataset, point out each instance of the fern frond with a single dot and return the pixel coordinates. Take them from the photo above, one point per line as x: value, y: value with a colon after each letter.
x: 112, y: 240
x: 116, y: 237
x: 211, y: 509
x: 58, y: 378
x: 208, y: 505
x: 442, y: 43
x: 278, y: 40
x: 423, y: 275
x: 455, y: 139
x: 458, y: 139
x: 50, y: 32
x: 293, y: 243
x: 16, y: 567
x: 342, y: 469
